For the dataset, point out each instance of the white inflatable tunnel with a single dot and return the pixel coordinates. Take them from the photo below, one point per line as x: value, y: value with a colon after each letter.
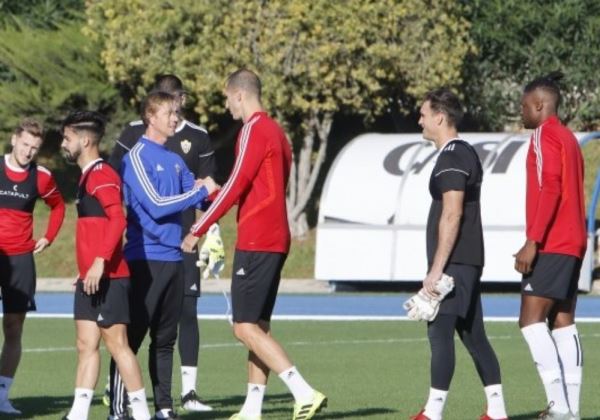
x: 375, y: 202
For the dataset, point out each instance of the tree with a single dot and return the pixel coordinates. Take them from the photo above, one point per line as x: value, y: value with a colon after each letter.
x: 50, y: 72
x: 315, y: 59
x: 39, y: 13
x: 518, y: 41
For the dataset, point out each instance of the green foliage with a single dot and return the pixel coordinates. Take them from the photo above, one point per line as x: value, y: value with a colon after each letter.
x: 313, y: 57
x: 50, y: 73
x: 518, y: 41
x: 39, y: 13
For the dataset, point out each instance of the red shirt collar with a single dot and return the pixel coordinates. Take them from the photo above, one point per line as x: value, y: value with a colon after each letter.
x: 257, y: 113
x: 552, y: 119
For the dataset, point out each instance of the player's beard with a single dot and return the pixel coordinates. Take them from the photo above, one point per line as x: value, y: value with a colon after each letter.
x: 70, y: 157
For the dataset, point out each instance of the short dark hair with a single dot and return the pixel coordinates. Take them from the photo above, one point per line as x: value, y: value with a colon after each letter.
x: 152, y: 102
x: 168, y: 83
x: 245, y: 79
x: 549, y: 83
x: 445, y: 101
x: 31, y: 126
x: 90, y: 121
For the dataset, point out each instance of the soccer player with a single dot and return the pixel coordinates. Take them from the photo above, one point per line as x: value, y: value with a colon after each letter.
x: 550, y: 259
x: 157, y: 188
x: 192, y: 143
x: 455, y: 247
x: 101, y: 306
x: 22, y: 183
x: 257, y: 183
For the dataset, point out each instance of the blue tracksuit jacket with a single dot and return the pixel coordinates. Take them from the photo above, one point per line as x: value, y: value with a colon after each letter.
x: 157, y: 187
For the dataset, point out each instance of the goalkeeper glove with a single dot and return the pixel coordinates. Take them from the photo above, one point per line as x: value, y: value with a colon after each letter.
x: 421, y: 307
x: 212, y: 253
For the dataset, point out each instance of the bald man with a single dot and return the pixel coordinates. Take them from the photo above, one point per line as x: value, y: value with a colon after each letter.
x: 257, y: 184
x: 550, y: 259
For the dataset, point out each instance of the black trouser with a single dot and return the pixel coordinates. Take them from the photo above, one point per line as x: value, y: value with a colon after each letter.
x: 189, y: 335
x: 472, y: 333
x: 155, y: 304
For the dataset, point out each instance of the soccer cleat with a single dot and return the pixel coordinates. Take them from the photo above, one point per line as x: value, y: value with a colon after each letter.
x: 486, y: 417
x: 120, y: 417
x: 308, y: 411
x: 191, y: 402
x: 420, y: 416
x: 549, y: 414
x: 172, y: 415
x: 238, y: 416
x: 106, y: 395
x: 7, y: 408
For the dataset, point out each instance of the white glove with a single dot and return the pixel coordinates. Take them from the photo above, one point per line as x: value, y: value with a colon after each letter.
x: 421, y: 307
x: 444, y: 286
x: 212, y: 253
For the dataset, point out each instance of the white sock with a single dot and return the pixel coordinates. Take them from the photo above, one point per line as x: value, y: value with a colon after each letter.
x: 495, y: 402
x: 139, y: 405
x: 254, y: 398
x: 435, y: 403
x: 571, y: 356
x: 81, y: 404
x: 544, y: 353
x: 188, y: 379
x: 300, y: 389
x: 5, y: 384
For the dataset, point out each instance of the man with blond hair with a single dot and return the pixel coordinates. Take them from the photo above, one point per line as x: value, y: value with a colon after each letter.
x: 22, y: 183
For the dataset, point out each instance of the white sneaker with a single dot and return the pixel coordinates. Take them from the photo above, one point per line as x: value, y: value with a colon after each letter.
x: 7, y: 408
x: 191, y: 402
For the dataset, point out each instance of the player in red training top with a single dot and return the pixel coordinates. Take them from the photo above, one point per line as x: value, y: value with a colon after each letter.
x: 257, y: 183
x: 22, y: 182
x: 101, y: 306
x: 550, y: 260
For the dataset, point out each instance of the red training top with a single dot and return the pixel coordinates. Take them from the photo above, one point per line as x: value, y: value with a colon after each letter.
x: 555, y: 200
x: 258, y: 183
x: 19, y: 190
x: 101, y: 221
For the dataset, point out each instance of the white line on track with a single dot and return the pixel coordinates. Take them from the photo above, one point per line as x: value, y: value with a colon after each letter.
x: 326, y: 318
x: 310, y: 343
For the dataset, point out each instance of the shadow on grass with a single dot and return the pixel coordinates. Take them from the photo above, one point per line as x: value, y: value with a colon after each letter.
x: 535, y: 415
x: 525, y: 416
x: 223, y: 408
x: 33, y: 407
x: 354, y: 414
x: 276, y: 406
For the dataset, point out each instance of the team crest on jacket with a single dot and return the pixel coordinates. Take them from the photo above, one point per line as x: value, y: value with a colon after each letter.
x: 186, y: 145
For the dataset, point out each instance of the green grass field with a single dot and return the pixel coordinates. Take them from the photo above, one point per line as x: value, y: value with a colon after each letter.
x: 369, y: 370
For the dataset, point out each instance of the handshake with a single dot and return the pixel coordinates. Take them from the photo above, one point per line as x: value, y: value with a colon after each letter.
x: 209, y: 183
x: 421, y: 307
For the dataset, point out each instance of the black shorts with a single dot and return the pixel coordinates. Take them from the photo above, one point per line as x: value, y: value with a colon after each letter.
x: 554, y: 276
x: 191, y: 274
x: 463, y: 299
x: 254, y: 283
x: 17, y: 283
x: 106, y: 307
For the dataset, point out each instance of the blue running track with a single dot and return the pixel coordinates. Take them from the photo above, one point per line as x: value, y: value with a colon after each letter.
x: 498, y: 306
